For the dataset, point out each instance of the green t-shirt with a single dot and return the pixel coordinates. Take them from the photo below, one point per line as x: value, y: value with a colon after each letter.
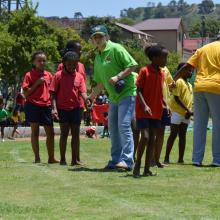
x: 3, y: 114
x: 110, y: 62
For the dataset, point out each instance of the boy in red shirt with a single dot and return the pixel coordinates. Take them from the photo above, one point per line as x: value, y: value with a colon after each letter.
x: 38, y: 104
x: 67, y: 87
x: 149, y: 105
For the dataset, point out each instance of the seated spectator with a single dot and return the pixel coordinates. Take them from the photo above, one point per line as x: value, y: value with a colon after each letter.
x: 91, y: 132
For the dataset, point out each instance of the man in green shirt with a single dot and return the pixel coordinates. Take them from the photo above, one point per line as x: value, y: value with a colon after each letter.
x: 113, y: 70
x: 3, y: 119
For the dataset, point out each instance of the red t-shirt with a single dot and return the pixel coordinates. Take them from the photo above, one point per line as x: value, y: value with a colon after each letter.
x: 68, y: 89
x: 41, y: 96
x: 150, y: 82
x: 81, y: 69
x: 90, y: 131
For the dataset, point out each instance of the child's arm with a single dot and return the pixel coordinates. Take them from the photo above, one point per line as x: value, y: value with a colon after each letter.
x: 54, y: 106
x: 146, y: 107
x: 29, y: 91
x: 180, y: 103
x: 122, y: 75
x: 96, y: 91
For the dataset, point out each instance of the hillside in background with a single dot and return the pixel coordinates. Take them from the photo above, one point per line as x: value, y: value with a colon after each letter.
x: 191, y: 15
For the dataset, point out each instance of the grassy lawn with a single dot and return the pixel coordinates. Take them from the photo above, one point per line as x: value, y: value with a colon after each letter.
x: 30, y: 191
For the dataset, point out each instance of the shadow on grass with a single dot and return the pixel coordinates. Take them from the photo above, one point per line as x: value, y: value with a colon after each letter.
x: 96, y: 170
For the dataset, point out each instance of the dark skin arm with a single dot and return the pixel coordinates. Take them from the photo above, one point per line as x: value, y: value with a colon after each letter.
x: 180, y: 103
x: 54, y: 106
x: 29, y: 91
x: 146, y: 107
x: 181, y: 72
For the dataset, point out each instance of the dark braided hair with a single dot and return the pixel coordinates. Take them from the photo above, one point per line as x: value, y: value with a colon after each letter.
x: 154, y: 51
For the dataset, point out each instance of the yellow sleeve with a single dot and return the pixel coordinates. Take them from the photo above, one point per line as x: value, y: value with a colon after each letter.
x: 193, y: 60
x: 177, y: 90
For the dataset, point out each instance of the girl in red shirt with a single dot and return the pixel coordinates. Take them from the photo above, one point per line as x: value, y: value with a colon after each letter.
x: 149, y: 105
x: 67, y: 87
x: 38, y: 104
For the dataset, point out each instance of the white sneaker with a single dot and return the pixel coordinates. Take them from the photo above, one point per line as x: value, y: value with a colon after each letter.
x: 3, y: 140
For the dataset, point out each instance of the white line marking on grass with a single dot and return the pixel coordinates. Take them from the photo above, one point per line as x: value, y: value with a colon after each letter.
x: 16, y: 156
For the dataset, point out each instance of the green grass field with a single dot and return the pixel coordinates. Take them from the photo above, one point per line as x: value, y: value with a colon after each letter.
x: 29, y: 191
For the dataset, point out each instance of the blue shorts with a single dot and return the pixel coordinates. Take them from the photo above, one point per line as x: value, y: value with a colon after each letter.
x: 143, y: 123
x: 166, y: 119
x: 71, y: 117
x: 38, y: 114
x: 4, y: 123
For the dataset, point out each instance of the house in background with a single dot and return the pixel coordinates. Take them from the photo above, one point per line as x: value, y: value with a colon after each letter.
x: 131, y: 33
x: 190, y: 45
x: 168, y: 32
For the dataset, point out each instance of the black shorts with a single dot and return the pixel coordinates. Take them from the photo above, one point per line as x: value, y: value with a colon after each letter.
x: 71, y: 117
x: 143, y: 123
x: 4, y: 123
x: 38, y: 114
x: 166, y: 119
x: 19, y: 108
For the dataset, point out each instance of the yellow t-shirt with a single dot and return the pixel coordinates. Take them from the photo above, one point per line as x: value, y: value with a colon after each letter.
x: 185, y: 93
x: 206, y: 60
x: 15, y: 119
x: 168, y: 80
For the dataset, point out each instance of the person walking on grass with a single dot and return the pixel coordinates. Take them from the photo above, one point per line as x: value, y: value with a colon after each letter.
x: 3, y: 119
x: 14, y: 121
x: 149, y: 105
x: 206, y: 62
x: 181, y: 106
x: 113, y: 70
x: 38, y: 105
x: 66, y: 88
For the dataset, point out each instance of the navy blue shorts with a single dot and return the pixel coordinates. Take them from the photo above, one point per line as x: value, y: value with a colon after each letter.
x: 4, y: 123
x: 38, y: 114
x: 143, y: 123
x: 166, y: 119
x: 71, y: 117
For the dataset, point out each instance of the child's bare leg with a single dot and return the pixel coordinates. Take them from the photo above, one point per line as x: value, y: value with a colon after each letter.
x: 140, y: 151
x: 64, y: 127
x: 2, y: 132
x: 14, y: 131
x: 174, y: 129
x: 50, y: 143
x: 150, y: 150
x: 182, y: 141
x: 35, y: 141
x: 75, y: 144
x: 158, y: 146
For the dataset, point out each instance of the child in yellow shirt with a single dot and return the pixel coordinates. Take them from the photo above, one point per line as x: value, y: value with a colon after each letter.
x: 181, y: 106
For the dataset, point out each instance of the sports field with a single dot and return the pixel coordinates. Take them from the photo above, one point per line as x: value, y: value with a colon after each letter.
x: 29, y: 191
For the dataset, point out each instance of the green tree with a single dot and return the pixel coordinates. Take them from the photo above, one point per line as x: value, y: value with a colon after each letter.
x: 206, y: 7
x: 90, y: 22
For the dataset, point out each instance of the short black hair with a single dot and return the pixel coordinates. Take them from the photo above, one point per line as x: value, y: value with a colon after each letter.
x: 35, y: 54
x: 70, y: 55
x: 154, y: 51
x: 72, y: 45
x: 181, y: 65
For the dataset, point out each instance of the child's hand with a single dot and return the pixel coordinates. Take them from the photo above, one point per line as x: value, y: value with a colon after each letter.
x: 188, y: 114
x: 114, y: 80
x: 89, y: 103
x: 172, y: 85
x: 40, y: 81
x: 55, y: 115
x: 169, y: 112
x: 147, y: 110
